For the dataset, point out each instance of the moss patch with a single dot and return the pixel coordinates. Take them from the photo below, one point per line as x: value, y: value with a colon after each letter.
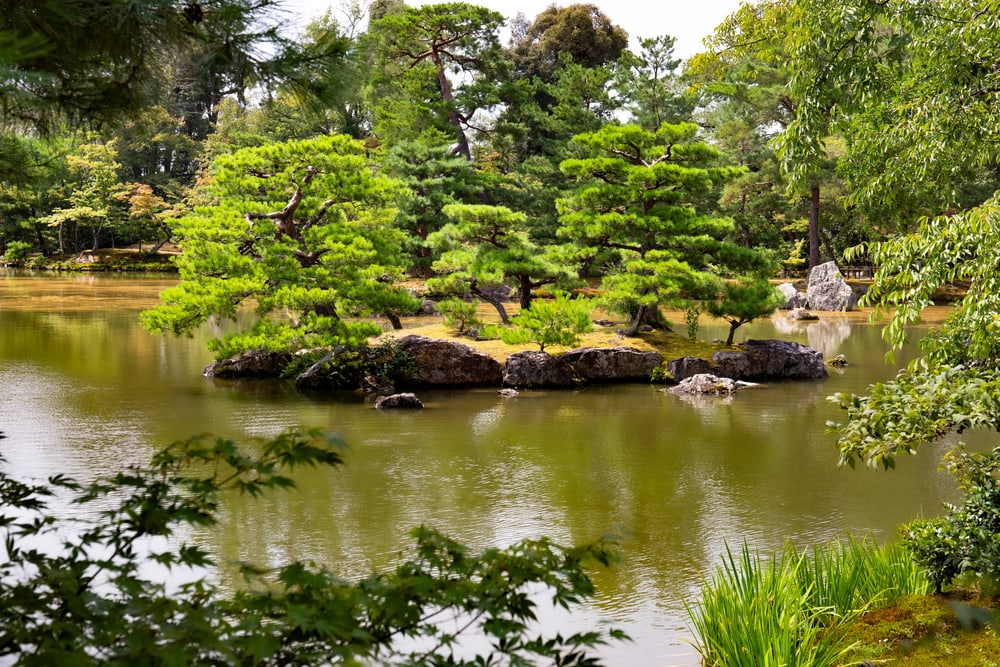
x: 924, y: 631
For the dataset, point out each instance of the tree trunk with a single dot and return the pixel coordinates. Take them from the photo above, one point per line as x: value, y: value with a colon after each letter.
x: 814, y: 226
x: 453, y: 117
x: 493, y: 302
x: 640, y: 317
x: 393, y: 320
x: 733, y: 326
x: 524, y: 292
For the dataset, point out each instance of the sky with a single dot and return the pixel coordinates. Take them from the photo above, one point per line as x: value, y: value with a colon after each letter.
x: 688, y: 21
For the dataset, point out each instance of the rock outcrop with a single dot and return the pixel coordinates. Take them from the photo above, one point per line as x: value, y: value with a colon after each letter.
x: 771, y: 360
x: 402, y: 401
x: 539, y: 369
x: 612, y: 364
x: 686, y: 367
x: 255, y: 363
x: 827, y: 289
x: 442, y: 363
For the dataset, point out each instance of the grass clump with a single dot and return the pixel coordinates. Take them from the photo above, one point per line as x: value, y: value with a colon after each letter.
x: 793, y: 609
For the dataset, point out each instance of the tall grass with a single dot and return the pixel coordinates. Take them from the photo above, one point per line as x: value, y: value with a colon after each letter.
x: 789, y: 610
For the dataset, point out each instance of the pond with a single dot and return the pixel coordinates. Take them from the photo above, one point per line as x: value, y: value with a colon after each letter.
x: 87, y: 391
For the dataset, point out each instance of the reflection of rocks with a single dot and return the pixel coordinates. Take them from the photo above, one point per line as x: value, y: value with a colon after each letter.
x: 793, y: 297
x: 402, y: 401
x: 827, y: 335
x: 539, y: 369
x: 827, y: 289
x: 800, y: 315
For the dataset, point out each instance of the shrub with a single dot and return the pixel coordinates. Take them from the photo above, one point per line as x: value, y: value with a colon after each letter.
x: 17, y: 252
x: 556, y: 322
x: 458, y: 314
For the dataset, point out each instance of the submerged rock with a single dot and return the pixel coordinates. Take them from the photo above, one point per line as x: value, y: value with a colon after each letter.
x: 398, y: 402
x: 705, y: 383
x: 800, y: 314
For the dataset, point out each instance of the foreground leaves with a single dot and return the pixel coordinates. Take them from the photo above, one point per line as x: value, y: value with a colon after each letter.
x: 79, y: 591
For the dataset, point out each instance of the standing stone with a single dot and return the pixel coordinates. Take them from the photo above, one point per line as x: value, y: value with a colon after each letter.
x: 827, y: 289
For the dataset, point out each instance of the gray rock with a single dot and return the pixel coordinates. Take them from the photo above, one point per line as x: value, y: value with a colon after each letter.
x: 801, y: 314
x: 255, y: 363
x: 507, y: 392
x: 428, y: 307
x: 685, y: 367
x: 793, y: 297
x: 614, y: 364
x: 539, y: 369
x: 404, y: 401
x: 705, y: 383
x: 771, y: 360
x: 443, y: 363
x: 827, y: 289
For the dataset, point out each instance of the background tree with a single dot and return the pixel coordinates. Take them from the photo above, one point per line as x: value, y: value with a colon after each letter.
x: 416, y: 48
x: 301, y: 228
x: 635, y: 198
x: 650, y: 85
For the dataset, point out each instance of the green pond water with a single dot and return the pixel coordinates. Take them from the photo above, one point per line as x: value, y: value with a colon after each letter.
x: 87, y: 391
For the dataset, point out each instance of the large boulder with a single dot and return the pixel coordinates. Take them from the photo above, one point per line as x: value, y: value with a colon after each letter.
x: 404, y: 401
x: 827, y: 289
x: 443, y: 363
x: 539, y: 369
x: 686, y: 367
x: 771, y: 360
x: 793, y: 297
x: 255, y: 363
x: 613, y: 364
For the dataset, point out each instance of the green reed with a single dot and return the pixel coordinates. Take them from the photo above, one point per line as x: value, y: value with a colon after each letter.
x: 790, y: 610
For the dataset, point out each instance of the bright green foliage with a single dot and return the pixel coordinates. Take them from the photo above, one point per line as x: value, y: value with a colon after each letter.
x: 458, y: 314
x: 491, y: 245
x: 303, y: 230
x: 636, y: 197
x: 791, y: 609
x: 66, y: 604
x: 692, y: 310
x: 92, y: 197
x: 743, y: 302
x: 965, y: 541
x: 435, y: 177
x: 649, y: 83
x: 558, y: 321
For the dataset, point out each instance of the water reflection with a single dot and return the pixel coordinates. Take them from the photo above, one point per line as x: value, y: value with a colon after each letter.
x: 88, y: 391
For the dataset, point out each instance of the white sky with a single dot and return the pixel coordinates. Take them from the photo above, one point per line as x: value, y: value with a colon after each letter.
x: 689, y: 21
